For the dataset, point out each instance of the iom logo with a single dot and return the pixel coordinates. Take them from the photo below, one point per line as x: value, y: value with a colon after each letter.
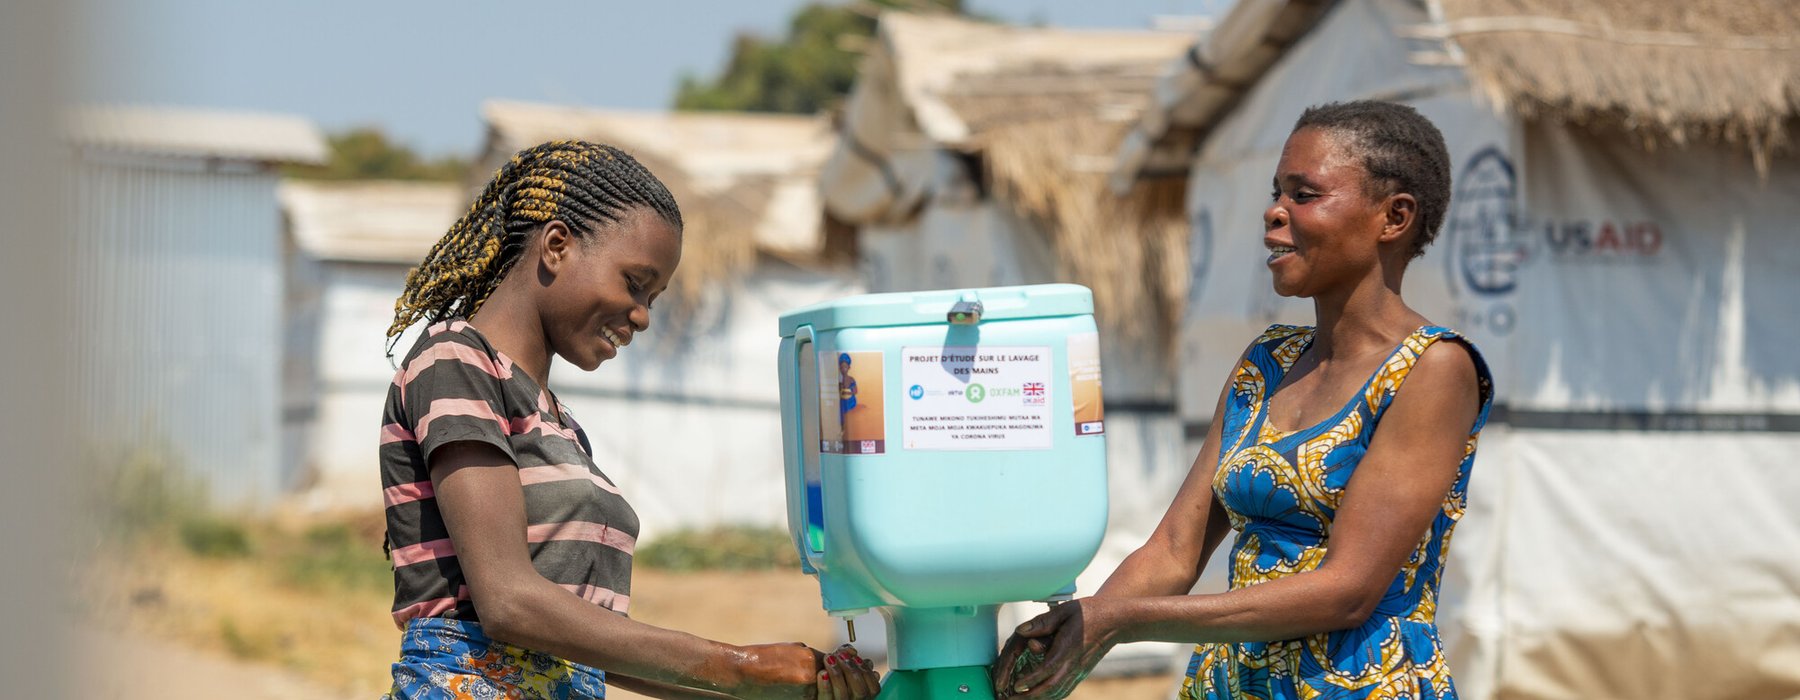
x: 1200, y: 245
x: 917, y: 392
x: 1489, y: 242
x: 1488, y: 245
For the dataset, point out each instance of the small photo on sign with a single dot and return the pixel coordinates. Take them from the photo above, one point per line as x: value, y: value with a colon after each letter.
x: 851, y: 416
x: 1084, y: 384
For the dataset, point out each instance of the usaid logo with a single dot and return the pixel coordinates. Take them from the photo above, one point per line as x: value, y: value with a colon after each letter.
x: 1604, y: 240
x: 1488, y: 247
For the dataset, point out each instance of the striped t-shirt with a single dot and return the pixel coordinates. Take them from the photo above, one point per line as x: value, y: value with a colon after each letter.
x: 453, y: 387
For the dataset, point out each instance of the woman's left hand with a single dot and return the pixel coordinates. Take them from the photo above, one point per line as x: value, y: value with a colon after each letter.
x: 847, y: 676
x: 1074, y: 637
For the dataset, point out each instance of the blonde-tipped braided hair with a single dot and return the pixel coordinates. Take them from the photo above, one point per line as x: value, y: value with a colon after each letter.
x: 579, y: 183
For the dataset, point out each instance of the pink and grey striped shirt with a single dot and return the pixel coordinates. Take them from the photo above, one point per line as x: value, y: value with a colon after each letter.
x: 455, y: 387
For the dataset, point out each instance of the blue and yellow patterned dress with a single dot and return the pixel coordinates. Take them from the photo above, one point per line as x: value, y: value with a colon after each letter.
x: 1281, y: 491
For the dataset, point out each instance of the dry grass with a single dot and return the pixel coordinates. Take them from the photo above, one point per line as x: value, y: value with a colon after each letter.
x: 252, y: 608
x: 236, y: 609
x: 1131, y: 250
x: 1047, y: 131
x: 1047, y: 137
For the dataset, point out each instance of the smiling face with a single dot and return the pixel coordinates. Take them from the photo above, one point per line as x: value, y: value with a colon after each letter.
x: 597, y: 289
x: 1322, y: 228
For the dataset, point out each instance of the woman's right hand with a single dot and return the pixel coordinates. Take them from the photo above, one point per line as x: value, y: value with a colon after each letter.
x: 786, y: 671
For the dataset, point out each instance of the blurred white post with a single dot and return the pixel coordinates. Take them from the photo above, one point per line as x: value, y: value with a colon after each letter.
x: 35, y: 513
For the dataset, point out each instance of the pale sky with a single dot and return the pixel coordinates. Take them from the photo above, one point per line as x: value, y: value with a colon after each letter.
x: 420, y: 70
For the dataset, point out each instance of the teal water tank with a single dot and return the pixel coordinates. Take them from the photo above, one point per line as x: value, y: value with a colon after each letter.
x: 945, y: 454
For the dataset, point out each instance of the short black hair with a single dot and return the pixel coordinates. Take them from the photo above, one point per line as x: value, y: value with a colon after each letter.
x: 1401, y: 150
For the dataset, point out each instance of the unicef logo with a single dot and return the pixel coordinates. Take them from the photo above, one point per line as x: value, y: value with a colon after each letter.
x: 1488, y: 248
x: 917, y: 392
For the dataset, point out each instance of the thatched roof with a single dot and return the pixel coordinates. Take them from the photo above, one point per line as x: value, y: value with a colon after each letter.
x: 746, y: 183
x: 1667, y: 70
x: 955, y: 75
x: 1130, y: 249
x: 370, y: 220
x: 1043, y: 108
x: 1663, y: 70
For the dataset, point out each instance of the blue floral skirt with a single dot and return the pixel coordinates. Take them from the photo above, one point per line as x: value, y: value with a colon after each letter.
x: 444, y: 659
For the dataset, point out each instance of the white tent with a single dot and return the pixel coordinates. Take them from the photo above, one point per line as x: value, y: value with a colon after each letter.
x: 1621, y: 245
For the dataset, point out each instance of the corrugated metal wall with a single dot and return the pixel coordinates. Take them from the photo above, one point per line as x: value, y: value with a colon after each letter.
x: 180, y: 296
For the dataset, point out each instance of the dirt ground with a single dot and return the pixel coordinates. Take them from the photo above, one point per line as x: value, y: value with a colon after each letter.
x: 195, y: 628
x: 146, y: 668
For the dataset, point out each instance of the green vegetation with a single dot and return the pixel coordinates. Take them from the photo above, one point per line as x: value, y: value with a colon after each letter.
x: 808, y: 70
x: 365, y: 153
x: 730, y: 547
x: 335, y: 556
x: 215, y: 537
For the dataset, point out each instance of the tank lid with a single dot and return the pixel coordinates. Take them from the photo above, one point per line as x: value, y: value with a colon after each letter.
x: 938, y: 306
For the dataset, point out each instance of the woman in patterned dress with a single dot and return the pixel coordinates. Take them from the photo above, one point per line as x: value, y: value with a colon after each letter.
x: 511, y: 547
x: 1339, y: 454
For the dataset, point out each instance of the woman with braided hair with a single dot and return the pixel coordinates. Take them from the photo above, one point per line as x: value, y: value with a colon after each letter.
x: 511, y: 549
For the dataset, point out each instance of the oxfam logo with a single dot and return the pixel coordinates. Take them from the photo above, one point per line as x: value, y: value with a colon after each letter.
x: 917, y: 392
x: 976, y: 393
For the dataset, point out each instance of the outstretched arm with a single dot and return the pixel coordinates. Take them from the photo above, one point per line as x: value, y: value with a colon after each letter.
x: 857, y: 680
x: 1169, y: 563
x: 1388, y: 506
x: 482, y: 502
